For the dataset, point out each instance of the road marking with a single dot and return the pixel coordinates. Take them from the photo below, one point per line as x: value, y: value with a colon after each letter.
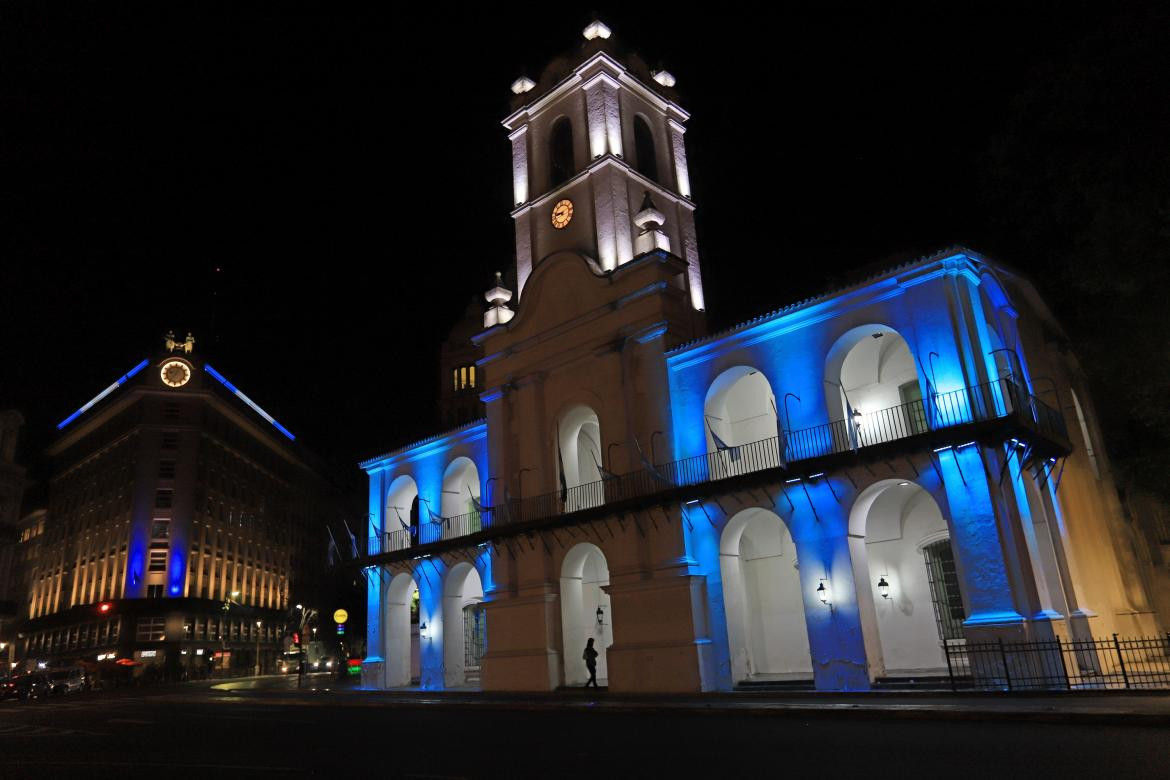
x: 130, y: 720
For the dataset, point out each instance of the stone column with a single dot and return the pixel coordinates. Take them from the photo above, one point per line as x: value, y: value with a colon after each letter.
x: 374, y: 665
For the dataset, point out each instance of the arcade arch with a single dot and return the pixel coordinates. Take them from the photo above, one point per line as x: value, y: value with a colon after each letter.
x: 401, y: 631
x: 763, y: 603
x: 580, y: 452
x: 464, y: 625
x: 740, y: 409
x: 401, y: 517
x: 460, y: 499
x: 585, y: 611
x: 908, y: 588
x: 872, y: 383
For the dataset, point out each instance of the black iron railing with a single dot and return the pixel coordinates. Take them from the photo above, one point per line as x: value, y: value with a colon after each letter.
x: 993, y: 400
x: 1070, y: 664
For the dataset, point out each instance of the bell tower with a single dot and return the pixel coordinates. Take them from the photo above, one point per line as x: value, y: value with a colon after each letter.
x: 594, y: 144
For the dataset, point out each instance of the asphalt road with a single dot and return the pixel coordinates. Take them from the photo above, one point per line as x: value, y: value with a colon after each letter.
x: 269, y: 729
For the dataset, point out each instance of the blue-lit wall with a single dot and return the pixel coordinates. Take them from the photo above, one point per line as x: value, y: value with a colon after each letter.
x: 425, y: 462
x: 945, y: 310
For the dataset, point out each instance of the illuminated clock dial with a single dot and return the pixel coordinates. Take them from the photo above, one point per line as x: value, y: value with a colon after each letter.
x: 562, y: 213
x: 175, y: 373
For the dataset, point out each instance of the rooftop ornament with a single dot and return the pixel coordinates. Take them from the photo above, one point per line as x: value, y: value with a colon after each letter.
x: 596, y: 30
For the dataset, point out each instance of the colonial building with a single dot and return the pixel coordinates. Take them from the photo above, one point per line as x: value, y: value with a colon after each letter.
x: 184, y: 525
x: 825, y: 495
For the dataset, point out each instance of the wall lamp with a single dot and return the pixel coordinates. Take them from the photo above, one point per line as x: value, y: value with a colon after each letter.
x: 883, y: 587
x: 600, y: 616
x: 825, y: 594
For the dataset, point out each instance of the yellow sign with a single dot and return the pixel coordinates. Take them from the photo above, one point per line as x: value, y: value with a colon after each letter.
x: 340, y: 616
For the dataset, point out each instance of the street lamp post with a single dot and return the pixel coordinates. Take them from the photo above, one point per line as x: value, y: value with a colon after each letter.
x: 259, y: 623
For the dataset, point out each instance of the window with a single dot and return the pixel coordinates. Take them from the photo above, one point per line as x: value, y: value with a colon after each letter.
x: 560, y: 148
x: 160, y: 529
x: 913, y: 410
x: 163, y: 499
x: 158, y: 561
x: 152, y: 629
x: 170, y: 411
x: 166, y: 469
x: 944, y: 589
x: 644, y: 149
x: 155, y: 591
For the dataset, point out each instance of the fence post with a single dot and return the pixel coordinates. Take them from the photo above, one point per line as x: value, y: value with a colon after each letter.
x: 1007, y: 675
x: 1063, y: 665
x: 951, y: 671
x: 1121, y: 660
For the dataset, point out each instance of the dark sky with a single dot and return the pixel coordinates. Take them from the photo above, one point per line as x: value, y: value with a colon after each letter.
x: 349, y: 174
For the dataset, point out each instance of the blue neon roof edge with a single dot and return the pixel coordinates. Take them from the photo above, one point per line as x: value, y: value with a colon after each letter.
x: 87, y: 405
x: 223, y: 380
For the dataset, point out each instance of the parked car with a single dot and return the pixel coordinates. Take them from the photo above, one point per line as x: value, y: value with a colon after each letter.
x: 34, y: 685
x: 71, y: 680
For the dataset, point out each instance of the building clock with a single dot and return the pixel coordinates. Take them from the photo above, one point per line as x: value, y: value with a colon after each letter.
x: 175, y: 373
x: 562, y: 213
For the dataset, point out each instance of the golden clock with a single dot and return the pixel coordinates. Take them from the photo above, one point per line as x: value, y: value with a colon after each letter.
x: 562, y: 213
x: 175, y: 373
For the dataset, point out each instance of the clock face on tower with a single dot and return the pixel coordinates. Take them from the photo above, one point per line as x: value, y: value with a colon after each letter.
x: 562, y: 213
x: 175, y: 373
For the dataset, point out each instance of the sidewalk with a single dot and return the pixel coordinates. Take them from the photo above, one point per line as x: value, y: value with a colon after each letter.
x: 1132, y: 708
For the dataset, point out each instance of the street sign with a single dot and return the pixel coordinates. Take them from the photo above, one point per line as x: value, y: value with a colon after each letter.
x: 340, y: 616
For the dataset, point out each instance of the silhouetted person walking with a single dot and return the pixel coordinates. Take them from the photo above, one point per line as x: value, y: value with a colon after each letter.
x: 590, y: 656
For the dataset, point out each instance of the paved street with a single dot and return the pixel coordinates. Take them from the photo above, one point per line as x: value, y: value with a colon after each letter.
x: 268, y: 727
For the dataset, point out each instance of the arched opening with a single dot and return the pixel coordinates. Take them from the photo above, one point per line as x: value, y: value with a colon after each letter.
x: 740, y: 409
x: 585, y: 612
x: 908, y: 588
x: 560, y: 152
x: 460, y: 500
x: 647, y: 162
x: 580, y: 453
x: 872, y: 386
x: 401, y: 632
x: 766, y: 629
x: 401, y: 521
x: 464, y: 626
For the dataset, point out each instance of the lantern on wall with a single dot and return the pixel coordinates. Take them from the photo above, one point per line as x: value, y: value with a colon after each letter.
x: 883, y: 587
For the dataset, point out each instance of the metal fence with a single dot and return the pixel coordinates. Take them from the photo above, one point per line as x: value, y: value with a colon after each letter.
x: 993, y: 400
x: 1060, y: 664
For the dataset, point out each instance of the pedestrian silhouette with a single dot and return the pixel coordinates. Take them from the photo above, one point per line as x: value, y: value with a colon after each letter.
x: 590, y: 656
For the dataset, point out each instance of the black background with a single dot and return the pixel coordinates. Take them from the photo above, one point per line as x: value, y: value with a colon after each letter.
x: 347, y: 171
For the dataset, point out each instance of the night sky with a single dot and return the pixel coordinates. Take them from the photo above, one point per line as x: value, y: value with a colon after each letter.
x: 349, y: 175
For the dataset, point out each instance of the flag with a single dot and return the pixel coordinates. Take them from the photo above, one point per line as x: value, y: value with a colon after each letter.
x: 474, y: 501
x: 782, y: 438
x: 561, y: 469
x: 719, y: 443
x: 601, y: 470
x: 850, y: 426
x: 332, y: 549
x: 649, y: 466
x: 352, y: 539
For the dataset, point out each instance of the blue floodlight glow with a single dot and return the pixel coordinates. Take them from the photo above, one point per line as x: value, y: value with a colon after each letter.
x: 223, y: 380
x: 942, y: 449
x: 791, y: 481
x: 121, y: 381
x: 818, y: 474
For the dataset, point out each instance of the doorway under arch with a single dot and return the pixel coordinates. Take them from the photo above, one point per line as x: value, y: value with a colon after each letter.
x: 464, y: 626
x: 908, y: 590
x: 585, y: 611
x: 401, y: 631
x: 763, y: 603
